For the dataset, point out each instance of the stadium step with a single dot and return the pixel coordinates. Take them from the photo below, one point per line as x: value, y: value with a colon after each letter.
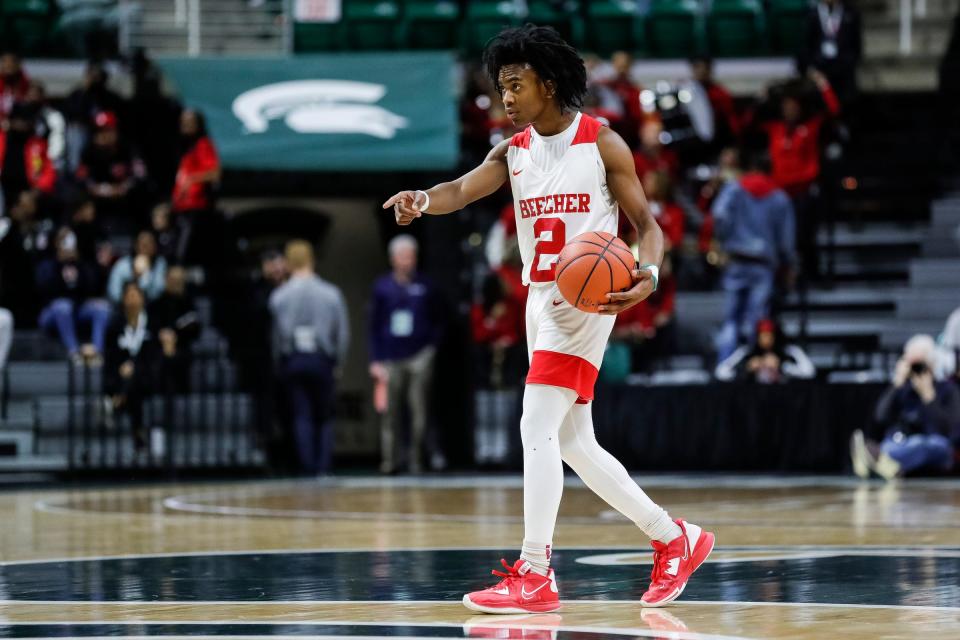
x: 935, y: 272
x: 16, y: 442
x: 48, y: 462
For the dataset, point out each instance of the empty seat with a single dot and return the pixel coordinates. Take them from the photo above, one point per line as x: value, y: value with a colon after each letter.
x: 674, y: 28
x: 484, y: 19
x: 735, y: 28
x: 563, y: 15
x: 371, y: 24
x: 311, y: 37
x: 787, y: 25
x: 430, y: 24
x: 614, y: 25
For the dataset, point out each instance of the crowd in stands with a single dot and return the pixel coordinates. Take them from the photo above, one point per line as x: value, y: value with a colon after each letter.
x: 101, y: 201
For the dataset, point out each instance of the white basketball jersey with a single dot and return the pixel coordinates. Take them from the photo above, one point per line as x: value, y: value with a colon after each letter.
x: 553, y: 207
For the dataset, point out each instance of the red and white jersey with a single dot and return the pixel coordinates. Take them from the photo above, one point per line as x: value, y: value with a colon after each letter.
x: 555, y: 206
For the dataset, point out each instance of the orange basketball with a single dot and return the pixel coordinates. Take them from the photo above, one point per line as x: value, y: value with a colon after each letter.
x: 592, y: 265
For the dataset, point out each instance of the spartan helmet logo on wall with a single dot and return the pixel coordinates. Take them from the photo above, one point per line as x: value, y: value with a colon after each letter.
x: 319, y: 106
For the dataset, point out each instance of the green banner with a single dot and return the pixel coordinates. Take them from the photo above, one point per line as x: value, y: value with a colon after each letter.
x: 338, y: 112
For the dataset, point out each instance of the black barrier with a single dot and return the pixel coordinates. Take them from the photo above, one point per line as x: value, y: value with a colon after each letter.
x: 798, y: 426
x: 208, y: 423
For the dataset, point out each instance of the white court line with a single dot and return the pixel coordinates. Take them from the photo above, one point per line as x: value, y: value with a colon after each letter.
x: 647, y: 633
x: 718, y: 603
x: 866, y: 550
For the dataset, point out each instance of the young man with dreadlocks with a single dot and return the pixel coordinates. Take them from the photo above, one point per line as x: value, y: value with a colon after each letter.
x: 569, y: 175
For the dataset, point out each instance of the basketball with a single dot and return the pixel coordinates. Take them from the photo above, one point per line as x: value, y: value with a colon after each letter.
x: 592, y: 265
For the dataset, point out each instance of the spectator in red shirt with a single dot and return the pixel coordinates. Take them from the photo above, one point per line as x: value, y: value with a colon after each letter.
x: 652, y: 155
x: 24, y: 164
x: 193, y: 190
x: 13, y: 83
x: 794, y: 148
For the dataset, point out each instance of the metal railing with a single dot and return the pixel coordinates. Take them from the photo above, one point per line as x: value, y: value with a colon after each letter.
x: 202, y: 27
x: 909, y: 9
x: 210, y: 424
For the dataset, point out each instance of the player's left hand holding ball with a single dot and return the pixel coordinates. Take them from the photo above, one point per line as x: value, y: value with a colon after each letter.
x: 406, y: 206
x: 643, y: 286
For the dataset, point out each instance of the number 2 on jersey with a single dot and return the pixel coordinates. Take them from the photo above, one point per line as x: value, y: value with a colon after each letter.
x: 552, y: 247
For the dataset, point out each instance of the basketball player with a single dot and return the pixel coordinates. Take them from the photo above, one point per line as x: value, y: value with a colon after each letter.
x: 569, y: 175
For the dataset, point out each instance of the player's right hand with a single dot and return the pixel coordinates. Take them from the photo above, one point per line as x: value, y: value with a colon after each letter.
x: 406, y: 206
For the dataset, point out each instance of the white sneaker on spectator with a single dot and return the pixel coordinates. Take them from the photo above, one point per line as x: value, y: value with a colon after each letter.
x: 888, y: 467
x: 863, y: 460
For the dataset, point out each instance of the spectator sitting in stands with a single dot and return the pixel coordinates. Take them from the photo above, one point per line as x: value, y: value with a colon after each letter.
x: 24, y: 164
x: 754, y: 223
x: 652, y: 155
x: 194, y: 190
x: 919, y: 416
x: 130, y: 361
x: 92, y: 243
x: 834, y: 44
x: 25, y: 241
x: 769, y: 360
x: 110, y: 171
x: 164, y: 232
x: 174, y: 319
x: 82, y: 107
x: 51, y: 121
x: 72, y: 293
x: 149, y: 270
x: 13, y: 83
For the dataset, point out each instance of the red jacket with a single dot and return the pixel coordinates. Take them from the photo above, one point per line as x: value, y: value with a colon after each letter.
x: 487, y: 329
x: 40, y: 172
x: 667, y: 161
x: 795, y: 150
x: 187, y: 195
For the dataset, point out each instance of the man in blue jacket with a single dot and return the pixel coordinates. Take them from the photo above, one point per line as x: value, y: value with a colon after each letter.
x: 754, y: 222
x: 405, y: 327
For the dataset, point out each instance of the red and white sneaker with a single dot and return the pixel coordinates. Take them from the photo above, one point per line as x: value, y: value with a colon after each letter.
x: 674, y: 563
x: 520, y: 591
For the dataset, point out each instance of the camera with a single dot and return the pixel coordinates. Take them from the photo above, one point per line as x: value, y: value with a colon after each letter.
x: 918, y: 368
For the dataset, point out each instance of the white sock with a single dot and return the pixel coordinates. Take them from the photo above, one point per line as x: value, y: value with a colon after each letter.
x: 544, y: 408
x: 608, y: 479
x: 538, y: 555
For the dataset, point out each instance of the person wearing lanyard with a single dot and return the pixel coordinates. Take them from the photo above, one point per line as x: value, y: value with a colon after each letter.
x: 834, y: 45
x: 404, y: 331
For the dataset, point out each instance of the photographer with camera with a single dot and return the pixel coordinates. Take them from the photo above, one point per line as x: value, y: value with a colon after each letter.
x: 919, y: 414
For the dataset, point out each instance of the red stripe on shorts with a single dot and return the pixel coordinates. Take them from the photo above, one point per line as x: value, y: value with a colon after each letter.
x: 563, y: 370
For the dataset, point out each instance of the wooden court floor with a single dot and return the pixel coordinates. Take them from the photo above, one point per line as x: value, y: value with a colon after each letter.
x: 372, y: 557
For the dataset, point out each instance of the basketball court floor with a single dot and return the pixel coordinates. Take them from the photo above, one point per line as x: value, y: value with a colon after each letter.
x: 372, y: 557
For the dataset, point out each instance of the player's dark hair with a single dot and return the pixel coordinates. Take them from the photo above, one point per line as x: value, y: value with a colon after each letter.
x: 549, y: 55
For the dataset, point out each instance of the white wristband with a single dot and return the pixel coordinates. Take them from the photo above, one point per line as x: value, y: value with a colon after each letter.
x: 654, y: 271
x: 426, y: 205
